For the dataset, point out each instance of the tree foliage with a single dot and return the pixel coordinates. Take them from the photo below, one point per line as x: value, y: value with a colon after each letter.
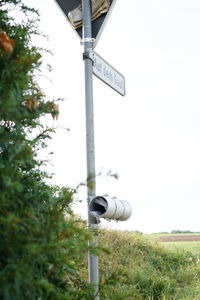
x: 42, y: 245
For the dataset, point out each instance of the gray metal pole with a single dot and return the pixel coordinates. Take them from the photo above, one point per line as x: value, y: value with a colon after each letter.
x: 93, y: 264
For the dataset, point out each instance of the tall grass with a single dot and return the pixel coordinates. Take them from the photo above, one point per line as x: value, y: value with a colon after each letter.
x: 138, y: 268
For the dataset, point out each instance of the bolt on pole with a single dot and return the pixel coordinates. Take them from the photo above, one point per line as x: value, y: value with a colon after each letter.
x: 93, y: 264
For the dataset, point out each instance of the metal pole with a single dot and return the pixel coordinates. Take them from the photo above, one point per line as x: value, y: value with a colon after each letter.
x: 93, y: 264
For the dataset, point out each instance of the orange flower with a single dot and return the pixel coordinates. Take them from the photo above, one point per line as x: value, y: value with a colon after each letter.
x: 31, y: 104
x: 55, y: 107
x: 6, y: 43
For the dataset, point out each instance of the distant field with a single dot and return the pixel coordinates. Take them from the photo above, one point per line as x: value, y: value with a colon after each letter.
x: 174, y: 234
x: 193, y: 247
x: 179, y: 238
x: 189, y: 242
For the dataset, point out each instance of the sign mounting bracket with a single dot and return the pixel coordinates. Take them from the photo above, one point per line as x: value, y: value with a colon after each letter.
x: 89, y: 55
x: 87, y: 40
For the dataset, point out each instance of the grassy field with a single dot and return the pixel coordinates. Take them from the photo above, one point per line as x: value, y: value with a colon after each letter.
x: 173, y: 234
x: 186, y: 241
x: 194, y: 247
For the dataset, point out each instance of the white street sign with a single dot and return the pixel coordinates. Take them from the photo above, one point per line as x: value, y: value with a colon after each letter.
x: 104, y: 71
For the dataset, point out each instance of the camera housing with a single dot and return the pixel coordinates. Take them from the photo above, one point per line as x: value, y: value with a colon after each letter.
x: 110, y: 208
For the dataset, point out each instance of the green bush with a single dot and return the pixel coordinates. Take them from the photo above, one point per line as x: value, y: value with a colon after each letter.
x: 42, y: 245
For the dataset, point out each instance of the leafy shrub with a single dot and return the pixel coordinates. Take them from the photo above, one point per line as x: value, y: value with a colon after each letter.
x: 42, y: 245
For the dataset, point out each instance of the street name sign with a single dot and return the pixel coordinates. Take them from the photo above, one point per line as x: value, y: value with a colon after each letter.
x: 101, y: 10
x: 104, y: 71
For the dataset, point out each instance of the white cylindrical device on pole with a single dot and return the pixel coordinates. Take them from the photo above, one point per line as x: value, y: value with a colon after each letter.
x: 110, y: 208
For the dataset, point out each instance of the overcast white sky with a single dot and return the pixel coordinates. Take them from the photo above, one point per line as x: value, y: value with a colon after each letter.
x: 150, y: 137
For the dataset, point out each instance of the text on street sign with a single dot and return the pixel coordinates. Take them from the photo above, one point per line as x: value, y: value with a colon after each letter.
x: 104, y: 71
